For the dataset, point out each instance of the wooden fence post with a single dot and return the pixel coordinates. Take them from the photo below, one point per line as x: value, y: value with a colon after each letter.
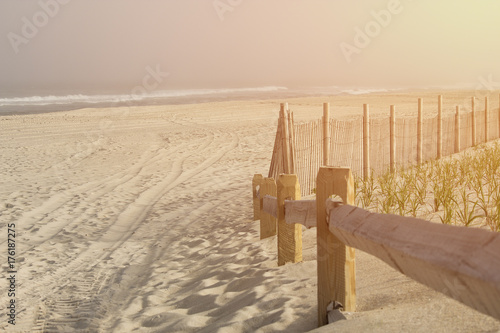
x: 336, y: 264
x: 499, y: 116
x: 292, y: 142
x: 326, y: 134
x: 473, y: 106
x: 289, y: 235
x: 486, y: 119
x: 457, y: 130
x: 284, y: 136
x: 392, y: 132
x: 276, y: 160
x: 366, y: 141
x: 267, y: 222
x: 256, y: 193
x: 440, y: 128
x: 419, y: 131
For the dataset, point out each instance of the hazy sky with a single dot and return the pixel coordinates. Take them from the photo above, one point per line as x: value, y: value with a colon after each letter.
x: 52, y: 44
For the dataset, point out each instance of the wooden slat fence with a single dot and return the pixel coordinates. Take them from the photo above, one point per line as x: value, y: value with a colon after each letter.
x: 300, y: 148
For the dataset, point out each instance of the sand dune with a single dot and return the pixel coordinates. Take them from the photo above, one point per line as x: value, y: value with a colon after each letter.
x: 139, y: 219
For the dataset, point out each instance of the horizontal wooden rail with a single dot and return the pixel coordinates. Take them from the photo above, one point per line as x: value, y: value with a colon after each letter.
x: 270, y: 205
x: 301, y: 212
x: 463, y: 263
x: 296, y: 211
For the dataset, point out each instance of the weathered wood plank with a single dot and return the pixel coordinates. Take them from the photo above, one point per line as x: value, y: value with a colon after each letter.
x: 440, y: 128
x: 498, y: 124
x: 289, y: 235
x: 457, y: 129
x: 256, y: 185
x: 326, y: 134
x: 285, y: 138
x: 301, y: 212
x: 267, y: 222
x: 486, y: 120
x: 366, y: 141
x: 270, y: 205
x: 291, y: 142
x: 296, y: 211
x: 392, y: 139
x: 420, y: 138
x: 463, y: 263
x: 473, y: 106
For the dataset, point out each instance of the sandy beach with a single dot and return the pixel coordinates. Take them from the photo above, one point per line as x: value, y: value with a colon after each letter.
x: 139, y: 219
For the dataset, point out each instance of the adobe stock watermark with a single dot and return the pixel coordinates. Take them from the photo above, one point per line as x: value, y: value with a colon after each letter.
x: 454, y: 289
x: 485, y: 87
x: 488, y: 84
x: 31, y: 26
x: 151, y: 81
x: 363, y: 36
x: 223, y: 6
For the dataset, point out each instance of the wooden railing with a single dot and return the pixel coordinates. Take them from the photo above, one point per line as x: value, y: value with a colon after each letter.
x: 463, y: 263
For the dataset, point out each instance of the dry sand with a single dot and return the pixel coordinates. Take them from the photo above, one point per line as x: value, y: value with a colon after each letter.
x: 140, y: 219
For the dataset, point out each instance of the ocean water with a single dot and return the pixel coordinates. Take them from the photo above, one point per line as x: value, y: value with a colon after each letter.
x: 54, y: 102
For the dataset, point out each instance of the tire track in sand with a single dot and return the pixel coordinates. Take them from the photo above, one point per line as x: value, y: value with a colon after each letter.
x: 41, y: 219
x: 62, y: 312
x: 55, y: 202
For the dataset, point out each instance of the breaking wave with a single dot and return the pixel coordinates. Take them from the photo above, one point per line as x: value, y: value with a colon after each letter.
x: 93, y: 99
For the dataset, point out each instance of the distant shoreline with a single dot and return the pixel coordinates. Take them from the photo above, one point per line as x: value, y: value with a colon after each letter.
x: 230, y: 97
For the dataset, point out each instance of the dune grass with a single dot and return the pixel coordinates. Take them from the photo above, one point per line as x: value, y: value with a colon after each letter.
x: 463, y: 189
